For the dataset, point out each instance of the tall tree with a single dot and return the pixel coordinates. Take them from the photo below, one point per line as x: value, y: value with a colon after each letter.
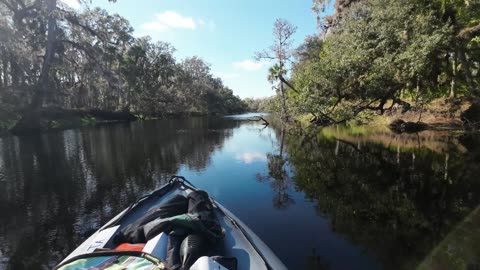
x: 43, y: 83
x: 281, y: 52
x: 53, y: 57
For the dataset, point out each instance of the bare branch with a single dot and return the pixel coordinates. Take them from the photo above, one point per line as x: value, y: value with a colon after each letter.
x: 469, y: 32
x: 260, y: 118
x: 263, y: 55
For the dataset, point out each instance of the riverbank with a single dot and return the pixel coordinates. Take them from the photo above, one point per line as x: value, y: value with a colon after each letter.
x: 439, y: 114
x: 50, y: 119
x: 47, y: 119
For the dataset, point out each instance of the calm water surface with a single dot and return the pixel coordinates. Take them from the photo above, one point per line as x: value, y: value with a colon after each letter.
x: 321, y: 199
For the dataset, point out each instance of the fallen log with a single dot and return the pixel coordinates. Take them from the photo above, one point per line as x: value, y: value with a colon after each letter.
x: 400, y: 126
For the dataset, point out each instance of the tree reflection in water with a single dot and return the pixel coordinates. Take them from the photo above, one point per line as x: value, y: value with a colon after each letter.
x: 278, y: 176
x: 59, y: 187
x: 314, y: 262
x: 391, y: 198
x: 396, y: 201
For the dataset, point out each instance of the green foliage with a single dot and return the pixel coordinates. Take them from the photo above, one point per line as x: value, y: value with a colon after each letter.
x: 271, y: 104
x: 373, y: 52
x: 98, y: 64
x: 366, y: 60
x: 6, y: 124
x: 141, y: 116
x: 8, y: 117
x: 54, y: 124
x: 88, y: 121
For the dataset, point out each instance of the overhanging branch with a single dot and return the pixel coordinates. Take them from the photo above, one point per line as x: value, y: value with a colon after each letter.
x: 469, y: 32
x: 280, y: 77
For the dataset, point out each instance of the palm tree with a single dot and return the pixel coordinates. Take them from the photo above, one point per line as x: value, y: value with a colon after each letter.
x: 275, y: 73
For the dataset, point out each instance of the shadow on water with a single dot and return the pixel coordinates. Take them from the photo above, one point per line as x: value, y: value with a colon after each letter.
x: 396, y: 196
x: 57, y: 187
x: 279, y: 175
x: 321, y: 199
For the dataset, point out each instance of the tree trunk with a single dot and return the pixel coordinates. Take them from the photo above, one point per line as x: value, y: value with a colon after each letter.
x: 5, y: 67
x: 454, y: 74
x: 284, y: 103
x: 337, y: 147
x: 31, y: 120
x: 398, y: 154
x: 413, y: 160
x: 282, y: 141
x: 14, y: 72
x: 417, y: 94
x: 445, y: 176
x: 468, y: 75
x: 43, y: 82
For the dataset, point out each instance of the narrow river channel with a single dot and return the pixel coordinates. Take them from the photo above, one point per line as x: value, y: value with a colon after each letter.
x: 336, y: 198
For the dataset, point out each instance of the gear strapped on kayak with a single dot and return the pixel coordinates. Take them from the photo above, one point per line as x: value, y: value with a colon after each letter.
x: 175, y: 227
x: 189, y: 222
x: 114, y: 261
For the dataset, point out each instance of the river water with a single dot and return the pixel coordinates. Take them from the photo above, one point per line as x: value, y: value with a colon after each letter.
x: 337, y: 198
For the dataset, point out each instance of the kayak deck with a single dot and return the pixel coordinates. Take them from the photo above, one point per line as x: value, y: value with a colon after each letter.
x: 238, y: 241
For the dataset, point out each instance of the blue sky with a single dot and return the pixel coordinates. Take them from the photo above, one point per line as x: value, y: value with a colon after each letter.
x: 225, y: 33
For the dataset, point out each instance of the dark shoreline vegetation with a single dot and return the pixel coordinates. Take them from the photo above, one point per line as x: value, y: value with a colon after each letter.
x: 61, y: 67
x: 357, y: 69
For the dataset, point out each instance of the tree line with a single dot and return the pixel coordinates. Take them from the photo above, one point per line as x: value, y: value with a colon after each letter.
x: 52, y: 56
x: 378, y: 55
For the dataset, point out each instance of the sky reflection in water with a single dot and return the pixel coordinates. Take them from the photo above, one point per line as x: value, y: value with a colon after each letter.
x: 321, y: 199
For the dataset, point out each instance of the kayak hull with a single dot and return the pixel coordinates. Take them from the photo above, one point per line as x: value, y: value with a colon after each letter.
x: 239, y: 241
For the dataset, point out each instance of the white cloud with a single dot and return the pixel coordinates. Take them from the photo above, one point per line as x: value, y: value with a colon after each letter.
x: 75, y: 4
x: 227, y: 75
x: 250, y: 157
x: 249, y: 65
x: 166, y: 20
